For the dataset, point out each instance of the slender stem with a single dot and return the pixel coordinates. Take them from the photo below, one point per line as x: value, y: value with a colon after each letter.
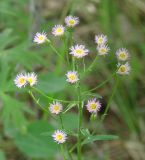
x: 55, y: 50
x: 72, y: 148
x: 101, y: 84
x: 62, y: 126
x: 79, y: 123
x: 51, y: 98
x: 66, y: 50
x: 62, y: 150
x: 73, y: 63
x: 62, y: 145
x: 110, y: 100
x: 92, y: 64
x: 84, y: 65
x: 89, y: 68
x: 37, y: 102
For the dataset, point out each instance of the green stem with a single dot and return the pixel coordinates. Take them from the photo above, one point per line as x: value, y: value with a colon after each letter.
x: 92, y: 64
x: 54, y: 49
x: 62, y: 126
x: 37, y: 102
x: 108, y: 105
x: 110, y: 100
x: 89, y: 68
x: 62, y: 151
x: 64, y: 146
x: 51, y: 98
x: 66, y: 49
x: 73, y: 63
x: 80, y: 107
x: 101, y: 84
x: 84, y: 65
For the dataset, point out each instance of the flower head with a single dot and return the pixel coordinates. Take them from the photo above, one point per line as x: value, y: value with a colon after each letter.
x: 103, y: 49
x: 101, y: 39
x: 20, y: 80
x: 79, y: 51
x: 55, y: 107
x: 40, y: 37
x: 122, y: 54
x: 93, y: 106
x: 32, y: 78
x: 72, y: 76
x: 123, y: 69
x: 58, y: 30
x: 59, y: 136
x: 71, y: 21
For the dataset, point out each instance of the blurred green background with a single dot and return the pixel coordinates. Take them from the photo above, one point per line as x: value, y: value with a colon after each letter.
x: 22, y: 124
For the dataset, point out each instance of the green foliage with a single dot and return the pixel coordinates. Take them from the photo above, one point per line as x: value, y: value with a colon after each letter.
x: 2, y: 155
x: 91, y: 139
x: 50, y: 83
x: 12, y: 115
x: 34, y: 144
x: 123, y: 22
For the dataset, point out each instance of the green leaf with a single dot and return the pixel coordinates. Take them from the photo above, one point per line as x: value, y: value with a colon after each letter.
x: 50, y: 83
x: 85, y: 132
x: 12, y: 114
x: 91, y: 139
x: 70, y: 106
x: 2, y: 155
x: 34, y: 144
x: 88, y: 94
x: 6, y: 38
x: 70, y: 121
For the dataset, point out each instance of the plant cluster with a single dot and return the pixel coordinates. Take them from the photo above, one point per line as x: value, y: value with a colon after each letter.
x: 74, y: 76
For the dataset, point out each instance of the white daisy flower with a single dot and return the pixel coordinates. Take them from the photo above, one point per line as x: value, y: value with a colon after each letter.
x: 103, y: 49
x: 58, y: 30
x: 20, y: 80
x: 72, y: 76
x: 93, y: 106
x: 40, y: 37
x: 122, y: 54
x: 123, y: 69
x: 32, y: 78
x: 55, y: 107
x: 59, y: 136
x: 79, y: 51
x: 71, y: 21
x: 101, y: 39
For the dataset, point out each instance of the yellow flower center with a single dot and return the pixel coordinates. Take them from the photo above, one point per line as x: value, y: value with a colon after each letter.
x: 100, y: 40
x: 103, y: 50
x: 72, y: 77
x: 79, y: 51
x: 59, y: 30
x: 122, y: 68
x: 72, y: 21
x: 40, y: 38
x: 122, y: 55
x: 59, y: 137
x: 56, y: 108
x: 93, y: 106
x: 30, y: 80
x: 22, y: 80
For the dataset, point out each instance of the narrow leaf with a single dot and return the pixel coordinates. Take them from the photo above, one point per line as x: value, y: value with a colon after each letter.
x: 100, y: 138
